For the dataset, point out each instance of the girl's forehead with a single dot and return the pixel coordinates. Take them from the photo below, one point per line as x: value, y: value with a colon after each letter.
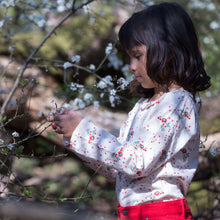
x: 136, y: 49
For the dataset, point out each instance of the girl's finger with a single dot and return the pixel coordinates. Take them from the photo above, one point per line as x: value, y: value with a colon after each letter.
x: 57, y: 118
x: 61, y: 110
x: 57, y: 129
x: 50, y: 118
x: 54, y: 127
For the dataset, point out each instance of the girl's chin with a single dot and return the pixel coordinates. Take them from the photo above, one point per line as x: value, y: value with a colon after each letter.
x: 147, y: 86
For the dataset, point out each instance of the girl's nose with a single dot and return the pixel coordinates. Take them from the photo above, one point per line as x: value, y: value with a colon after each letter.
x: 132, y: 66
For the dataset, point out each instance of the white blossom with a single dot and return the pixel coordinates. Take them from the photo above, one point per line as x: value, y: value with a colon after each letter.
x: 67, y: 105
x: 92, y: 20
x: 208, y: 94
x: 52, y: 112
x: 123, y: 83
x: 127, y: 73
x: 41, y: 23
x: 73, y: 86
x: 2, y: 141
x: 60, y: 110
x: 101, y: 84
x: 53, y: 101
x: 76, y: 86
x: 61, y: 5
x: 40, y: 114
x: 15, y: 134
x: 105, y: 82
x: 61, y: 8
x: 114, y: 60
x: 108, y: 49
x: 213, y: 151
x: 199, y: 100
x: 86, y: 9
x: 125, y: 69
x: 76, y: 59
x: 2, y: 23
x: 96, y: 104
x: 4, y: 4
x: 10, y: 146
x: 11, y: 48
x: 61, y: 2
x: 208, y: 40
x: 113, y: 92
x: 67, y: 65
x: 69, y: 5
x: 214, y: 25
x: 92, y: 67
x: 112, y: 100
x: 2, y: 90
x: 202, y: 5
x: 88, y: 97
x: 211, y: 6
x: 79, y: 102
x: 80, y: 89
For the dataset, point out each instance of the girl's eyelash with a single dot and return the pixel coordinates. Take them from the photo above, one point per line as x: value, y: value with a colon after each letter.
x: 137, y: 56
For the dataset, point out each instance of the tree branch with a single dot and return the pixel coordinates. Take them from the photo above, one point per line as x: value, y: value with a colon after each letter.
x: 21, y: 72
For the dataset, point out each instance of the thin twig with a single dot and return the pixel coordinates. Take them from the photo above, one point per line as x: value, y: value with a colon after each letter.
x: 90, y: 179
x: 20, y: 74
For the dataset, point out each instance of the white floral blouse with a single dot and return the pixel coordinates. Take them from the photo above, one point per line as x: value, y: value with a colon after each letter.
x: 156, y: 154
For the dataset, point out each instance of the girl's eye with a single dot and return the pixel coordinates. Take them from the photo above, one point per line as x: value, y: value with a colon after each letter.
x: 137, y: 57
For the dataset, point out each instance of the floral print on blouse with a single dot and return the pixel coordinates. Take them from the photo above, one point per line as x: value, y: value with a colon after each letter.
x: 156, y: 154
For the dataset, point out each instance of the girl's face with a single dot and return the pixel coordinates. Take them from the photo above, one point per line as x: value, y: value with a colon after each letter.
x: 138, y: 66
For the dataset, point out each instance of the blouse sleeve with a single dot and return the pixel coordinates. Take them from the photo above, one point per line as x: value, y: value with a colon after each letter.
x: 157, y: 137
x: 107, y: 171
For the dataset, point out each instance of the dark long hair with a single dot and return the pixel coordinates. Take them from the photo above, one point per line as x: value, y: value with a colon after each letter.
x: 173, y: 53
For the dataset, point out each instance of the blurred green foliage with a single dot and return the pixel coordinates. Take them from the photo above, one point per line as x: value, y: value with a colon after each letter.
x: 78, y: 33
x: 213, y: 126
x: 75, y: 35
x: 200, y: 199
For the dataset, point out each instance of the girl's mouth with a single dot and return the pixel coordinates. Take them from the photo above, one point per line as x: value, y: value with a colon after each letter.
x: 138, y: 78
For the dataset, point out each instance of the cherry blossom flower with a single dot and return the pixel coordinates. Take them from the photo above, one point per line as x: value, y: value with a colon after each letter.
x: 92, y: 67
x: 96, y: 104
x: 108, y: 49
x: 10, y: 146
x: 67, y: 65
x: 88, y: 97
x: 15, y: 134
x: 53, y: 101
x: 76, y: 59
x: 79, y: 102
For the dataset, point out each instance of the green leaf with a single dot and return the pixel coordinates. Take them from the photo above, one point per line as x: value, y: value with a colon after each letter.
x: 19, y: 150
x: 4, y: 151
x: 61, y: 198
x: 3, y: 119
x: 24, y: 82
x: 27, y: 192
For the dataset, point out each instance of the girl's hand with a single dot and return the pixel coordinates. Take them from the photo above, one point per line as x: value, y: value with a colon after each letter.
x: 65, y: 122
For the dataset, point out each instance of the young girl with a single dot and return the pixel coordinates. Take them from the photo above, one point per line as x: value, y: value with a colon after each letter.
x: 156, y: 155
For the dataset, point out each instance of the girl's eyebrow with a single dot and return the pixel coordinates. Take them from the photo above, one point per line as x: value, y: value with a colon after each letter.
x: 134, y: 50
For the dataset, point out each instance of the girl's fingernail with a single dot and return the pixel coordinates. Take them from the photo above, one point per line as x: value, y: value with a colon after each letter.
x: 54, y: 127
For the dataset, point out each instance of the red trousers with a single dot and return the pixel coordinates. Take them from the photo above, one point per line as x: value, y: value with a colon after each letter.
x: 169, y: 210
